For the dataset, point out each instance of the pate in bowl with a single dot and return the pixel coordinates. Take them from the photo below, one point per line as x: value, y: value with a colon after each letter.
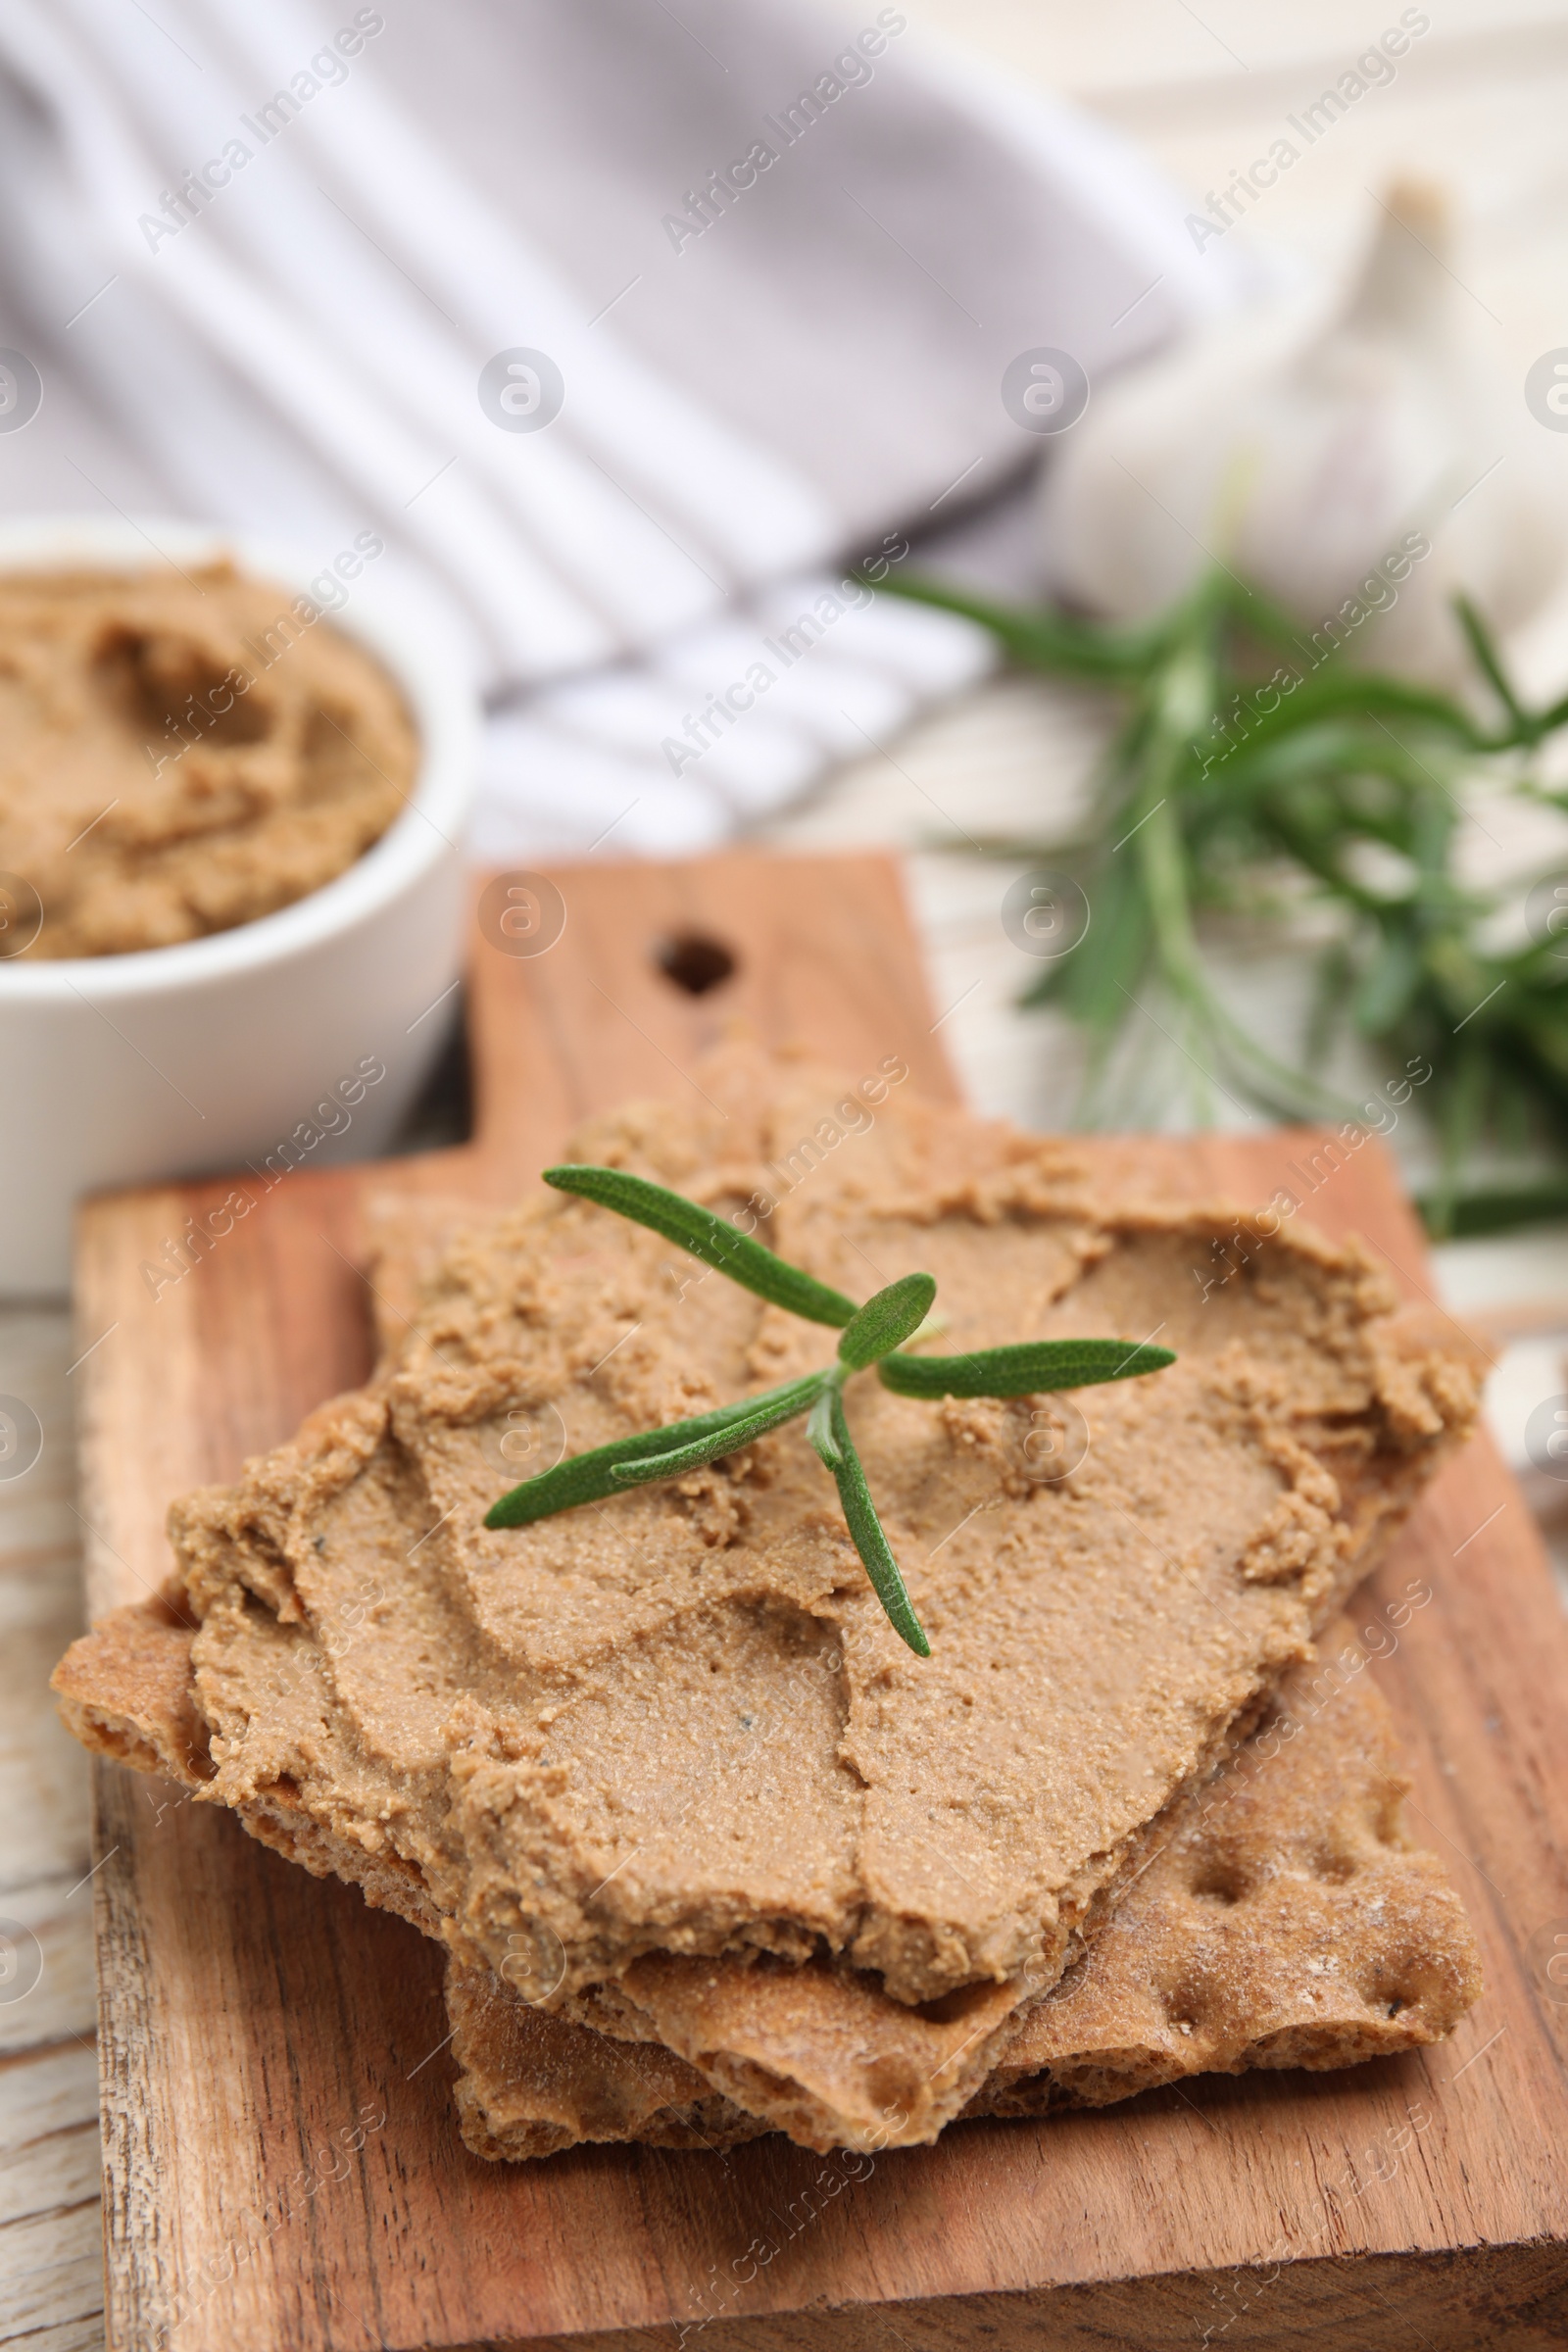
x: 234, y: 794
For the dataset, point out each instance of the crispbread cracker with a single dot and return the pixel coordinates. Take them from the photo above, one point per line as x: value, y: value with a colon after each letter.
x: 1281, y: 1920
x: 671, y: 1737
x: 468, y: 1713
x: 531, y: 2085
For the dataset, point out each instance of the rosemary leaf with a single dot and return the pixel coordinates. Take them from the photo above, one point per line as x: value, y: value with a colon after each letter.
x: 783, y: 1404
x: 1035, y: 1367
x: 1472, y: 1215
x: 1044, y: 639
x: 866, y: 1527
x: 590, y: 1476
x: 886, y: 1321
x: 1488, y: 660
x: 708, y: 1238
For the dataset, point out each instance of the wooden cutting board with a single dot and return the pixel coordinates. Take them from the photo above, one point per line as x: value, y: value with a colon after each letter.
x: 283, y: 2170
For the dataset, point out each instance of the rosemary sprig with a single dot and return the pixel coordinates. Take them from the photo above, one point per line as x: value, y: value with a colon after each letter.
x: 1225, y: 775
x: 872, y: 1335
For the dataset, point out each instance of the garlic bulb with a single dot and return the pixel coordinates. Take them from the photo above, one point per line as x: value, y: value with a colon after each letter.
x: 1359, y: 471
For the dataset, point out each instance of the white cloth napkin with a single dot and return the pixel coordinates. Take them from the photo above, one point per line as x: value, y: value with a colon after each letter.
x: 776, y: 261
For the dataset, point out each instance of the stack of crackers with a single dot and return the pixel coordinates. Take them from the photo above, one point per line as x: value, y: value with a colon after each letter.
x: 711, y: 1854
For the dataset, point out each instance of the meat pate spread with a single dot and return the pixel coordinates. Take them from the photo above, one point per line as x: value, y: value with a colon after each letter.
x: 180, y: 753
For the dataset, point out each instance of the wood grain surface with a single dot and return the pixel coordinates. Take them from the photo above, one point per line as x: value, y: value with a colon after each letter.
x: 284, y: 2172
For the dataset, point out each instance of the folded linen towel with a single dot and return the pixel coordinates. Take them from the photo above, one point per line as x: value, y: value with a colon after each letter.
x: 627, y: 328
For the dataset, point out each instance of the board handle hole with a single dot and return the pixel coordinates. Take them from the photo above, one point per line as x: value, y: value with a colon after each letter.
x: 695, y: 960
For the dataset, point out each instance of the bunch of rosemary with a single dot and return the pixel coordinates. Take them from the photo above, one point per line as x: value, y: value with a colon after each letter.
x: 873, y: 1334
x: 1248, y: 775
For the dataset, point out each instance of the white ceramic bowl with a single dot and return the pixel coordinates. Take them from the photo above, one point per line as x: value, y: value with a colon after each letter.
x: 239, y: 1048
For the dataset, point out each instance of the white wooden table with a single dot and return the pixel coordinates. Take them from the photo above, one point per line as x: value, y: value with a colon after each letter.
x: 1480, y: 104
x: 51, y: 2294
